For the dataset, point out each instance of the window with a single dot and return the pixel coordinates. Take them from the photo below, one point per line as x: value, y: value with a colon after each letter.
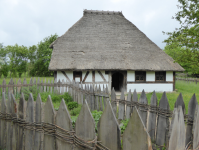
x: 140, y: 76
x: 77, y: 76
x: 160, y: 76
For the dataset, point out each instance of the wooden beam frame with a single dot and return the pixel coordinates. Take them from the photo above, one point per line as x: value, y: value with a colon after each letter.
x: 65, y: 75
x: 102, y: 76
x: 93, y: 76
x: 85, y: 76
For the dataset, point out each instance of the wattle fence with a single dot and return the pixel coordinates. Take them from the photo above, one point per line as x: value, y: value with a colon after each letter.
x: 150, y: 126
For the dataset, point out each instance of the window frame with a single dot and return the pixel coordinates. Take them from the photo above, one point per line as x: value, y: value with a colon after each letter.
x: 140, y: 73
x: 160, y: 73
x: 77, y: 74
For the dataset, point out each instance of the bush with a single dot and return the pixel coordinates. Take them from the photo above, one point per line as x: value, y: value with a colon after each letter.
x: 72, y: 105
x: 76, y: 111
x: 123, y: 127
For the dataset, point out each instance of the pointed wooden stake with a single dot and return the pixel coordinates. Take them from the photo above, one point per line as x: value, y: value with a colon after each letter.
x: 3, y: 133
x: 38, y: 120
x: 113, y: 101
x: 128, y: 107
x: 108, y: 129
x: 135, y: 135
x: 152, y: 117
x: 142, y: 110
x: 63, y: 121
x: 83, y: 129
x: 30, y: 119
x: 162, y: 122
x: 49, y: 117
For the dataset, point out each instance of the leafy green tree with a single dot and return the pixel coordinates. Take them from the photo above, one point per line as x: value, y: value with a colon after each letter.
x: 18, y: 56
x: 3, y: 63
x: 185, y: 39
x: 43, y: 56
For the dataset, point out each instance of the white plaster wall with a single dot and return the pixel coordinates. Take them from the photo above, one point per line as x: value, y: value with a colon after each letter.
x: 150, y: 76
x: 98, y: 78
x: 89, y: 77
x: 131, y: 76
x: 61, y: 76
x: 150, y: 87
x: 169, y: 76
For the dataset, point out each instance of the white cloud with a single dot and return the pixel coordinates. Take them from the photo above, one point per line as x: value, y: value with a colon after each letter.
x: 27, y: 22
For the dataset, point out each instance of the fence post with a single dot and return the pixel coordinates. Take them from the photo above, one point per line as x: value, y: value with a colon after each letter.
x: 100, y: 99
x: 152, y: 116
x: 128, y: 108
x: 191, y: 112
x: 3, y: 122
x: 38, y: 84
x: 142, y: 109
x: 136, y: 127
x: 107, y: 99
x: 48, y: 86
x: 108, y: 129
x: 30, y: 84
x: 121, y: 106
x: 8, y: 125
x: 49, y: 120
x: 92, y: 98
x: 30, y: 119
x: 180, y: 102
x: 51, y: 86
x: 11, y: 86
x: 113, y: 101
x: 63, y: 120
x: 82, y: 94
x: 55, y: 86
x: 196, y: 130
x: 14, y: 127
x: 85, y: 125
x: 18, y: 91
x: 162, y: 122
x: 38, y: 120
x: 177, y: 139
x: 135, y: 99
x: 4, y: 86
x: 21, y: 115
x: 104, y: 98
x: 41, y: 87
x: 45, y: 85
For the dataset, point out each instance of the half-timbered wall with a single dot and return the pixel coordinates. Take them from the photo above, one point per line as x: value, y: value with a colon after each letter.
x: 150, y: 85
x: 87, y: 78
x: 101, y: 78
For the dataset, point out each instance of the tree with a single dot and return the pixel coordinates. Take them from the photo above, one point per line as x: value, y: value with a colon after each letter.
x: 43, y: 56
x: 185, y: 39
x: 18, y: 56
x: 4, y: 68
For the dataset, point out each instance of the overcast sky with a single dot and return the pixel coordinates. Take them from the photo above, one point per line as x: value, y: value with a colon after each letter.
x: 26, y: 22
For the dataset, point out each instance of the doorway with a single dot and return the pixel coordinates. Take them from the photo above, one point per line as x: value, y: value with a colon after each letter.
x: 117, y: 81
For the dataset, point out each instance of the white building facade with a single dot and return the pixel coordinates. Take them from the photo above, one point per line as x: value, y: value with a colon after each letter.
x: 124, y: 79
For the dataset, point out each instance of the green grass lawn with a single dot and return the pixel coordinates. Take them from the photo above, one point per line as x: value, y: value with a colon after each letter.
x: 27, y: 79
x: 187, y: 90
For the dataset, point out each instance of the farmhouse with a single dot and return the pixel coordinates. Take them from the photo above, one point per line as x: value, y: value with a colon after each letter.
x: 103, y: 47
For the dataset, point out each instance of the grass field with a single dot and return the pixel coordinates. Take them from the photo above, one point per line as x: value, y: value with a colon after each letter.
x: 27, y: 79
x: 187, y: 90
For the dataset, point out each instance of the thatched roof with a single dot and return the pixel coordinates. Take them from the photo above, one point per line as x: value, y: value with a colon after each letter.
x: 105, y: 40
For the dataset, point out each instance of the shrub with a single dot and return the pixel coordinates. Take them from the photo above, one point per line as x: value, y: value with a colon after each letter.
x: 76, y: 111
x: 72, y: 105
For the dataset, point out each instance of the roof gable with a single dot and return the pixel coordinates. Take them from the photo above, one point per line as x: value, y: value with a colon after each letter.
x: 107, y: 40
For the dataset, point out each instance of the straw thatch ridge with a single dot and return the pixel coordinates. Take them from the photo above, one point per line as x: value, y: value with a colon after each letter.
x: 106, y: 40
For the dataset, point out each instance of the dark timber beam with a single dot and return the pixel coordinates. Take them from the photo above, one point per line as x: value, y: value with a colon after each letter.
x: 102, y: 76
x: 65, y: 76
x: 85, y: 76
